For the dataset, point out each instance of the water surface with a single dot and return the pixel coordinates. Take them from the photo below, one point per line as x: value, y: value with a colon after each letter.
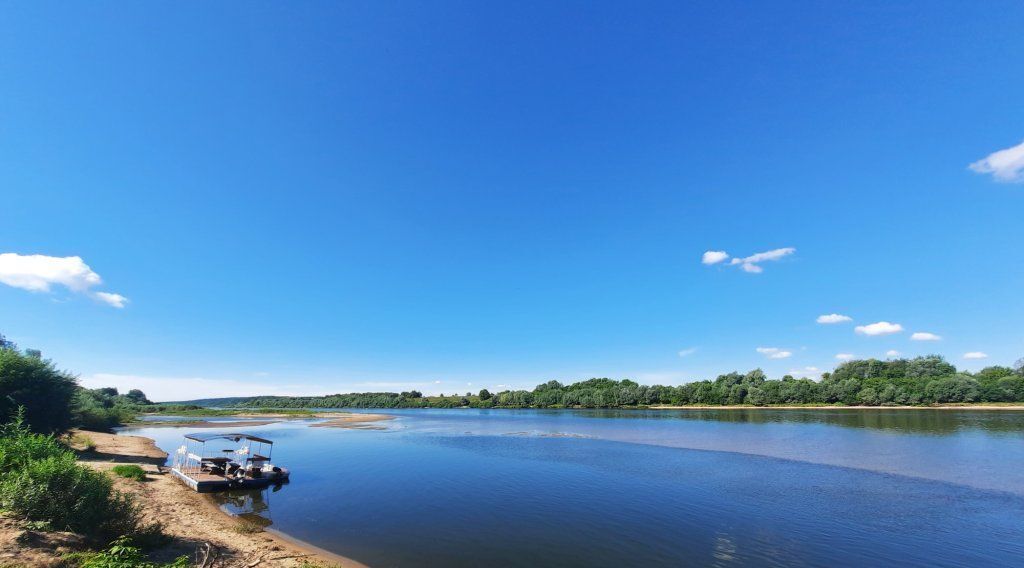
x: 664, y: 488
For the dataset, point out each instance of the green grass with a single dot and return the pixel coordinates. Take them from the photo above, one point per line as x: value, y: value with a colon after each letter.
x: 247, y: 527
x: 122, y: 553
x: 85, y: 443
x: 130, y: 471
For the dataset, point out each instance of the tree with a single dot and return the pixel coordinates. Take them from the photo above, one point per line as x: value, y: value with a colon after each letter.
x: 137, y: 396
x: 485, y: 394
x: 7, y: 344
x: 45, y: 393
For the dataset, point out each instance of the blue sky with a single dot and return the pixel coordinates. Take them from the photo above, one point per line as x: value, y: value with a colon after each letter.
x: 332, y: 197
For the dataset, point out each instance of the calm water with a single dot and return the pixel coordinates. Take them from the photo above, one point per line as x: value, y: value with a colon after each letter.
x: 663, y: 488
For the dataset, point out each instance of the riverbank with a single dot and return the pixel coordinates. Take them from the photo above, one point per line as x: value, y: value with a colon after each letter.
x: 192, y: 520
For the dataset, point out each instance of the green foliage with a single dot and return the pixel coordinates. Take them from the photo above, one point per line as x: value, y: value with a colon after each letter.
x: 102, y: 409
x: 19, y: 446
x: 40, y: 481
x: 870, y: 382
x: 130, y: 471
x: 33, y: 383
x: 123, y: 554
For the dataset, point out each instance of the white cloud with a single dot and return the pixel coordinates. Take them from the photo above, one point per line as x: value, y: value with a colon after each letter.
x: 808, y: 372
x: 751, y: 268
x: 879, y: 328
x: 924, y: 336
x: 844, y: 356
x: 687, y: 352
x: 749, y: 264
x: 39, y: 273
x: 892, y: 353
x: 714, y: 256
x: 115, y: 300
x: 833, y: 318
x: 1005, y: 165
x: 774, y: 254
x: 774, y: 352
x: 975, y: 355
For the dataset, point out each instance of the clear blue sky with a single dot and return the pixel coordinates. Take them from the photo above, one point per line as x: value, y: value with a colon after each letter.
x: 337, y: 196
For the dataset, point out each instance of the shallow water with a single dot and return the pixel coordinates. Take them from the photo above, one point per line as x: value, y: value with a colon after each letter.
x: 665, y: 487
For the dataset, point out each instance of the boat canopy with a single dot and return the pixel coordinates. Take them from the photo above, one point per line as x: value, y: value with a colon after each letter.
x: 205, y: 437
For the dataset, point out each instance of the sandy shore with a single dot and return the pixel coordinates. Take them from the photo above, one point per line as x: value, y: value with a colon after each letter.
x: 192, y: 520
x: 356, y: 421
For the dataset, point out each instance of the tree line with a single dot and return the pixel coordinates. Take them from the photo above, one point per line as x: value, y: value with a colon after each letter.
x: 868, y: 382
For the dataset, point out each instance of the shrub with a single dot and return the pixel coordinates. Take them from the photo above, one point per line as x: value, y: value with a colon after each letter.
x: 96, y: 410
x: 19, y: 446
x: 41, y: 482
x: 130, y: 471
x: 70, y: 497
x: 85, y: 442
x: 34, y: 384
x: 123, y: 554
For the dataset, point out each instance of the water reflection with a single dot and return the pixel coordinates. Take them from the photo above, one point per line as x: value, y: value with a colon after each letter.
x: 937, y: 421
x: 252, y: 506
x: 446, y: 488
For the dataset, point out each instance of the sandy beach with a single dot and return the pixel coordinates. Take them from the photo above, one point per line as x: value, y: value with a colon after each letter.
x: 192, y: 519
x: 353, y: 421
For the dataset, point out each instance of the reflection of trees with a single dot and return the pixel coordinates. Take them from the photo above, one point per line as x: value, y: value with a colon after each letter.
x: 937, y: 421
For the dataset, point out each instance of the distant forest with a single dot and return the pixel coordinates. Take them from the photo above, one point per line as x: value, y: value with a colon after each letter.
x: 869, y: 382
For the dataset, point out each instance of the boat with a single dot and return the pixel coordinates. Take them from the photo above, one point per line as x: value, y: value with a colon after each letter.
x: 219, y: 462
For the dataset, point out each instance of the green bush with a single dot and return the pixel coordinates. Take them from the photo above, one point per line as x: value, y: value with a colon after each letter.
x: 122, y: 554
x: 99, y: 411
x: 69, y: 497
x: 85, y: 442
x: 130, y: 471
x: 41, y: 482
x: 19, y: 446
x: 34, y: 384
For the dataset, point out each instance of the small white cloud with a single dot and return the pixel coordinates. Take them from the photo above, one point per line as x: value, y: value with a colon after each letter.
x: 774, y: 254
x: 751, y: 263
x: 879, y: 328
x: 892, y: 353
x: 39, y: 273
x: 844, y: 356
x: 807, y: 372
x: 975, y: 355
x: 774, y: 352
x: 924, y: 336
x: 714, y: 256
x: 687, y: 352
x: 437, y: 382
x: 1005, y: 165
x: 751, y: 268
x: 833, y: 318
x: 115, y: 300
